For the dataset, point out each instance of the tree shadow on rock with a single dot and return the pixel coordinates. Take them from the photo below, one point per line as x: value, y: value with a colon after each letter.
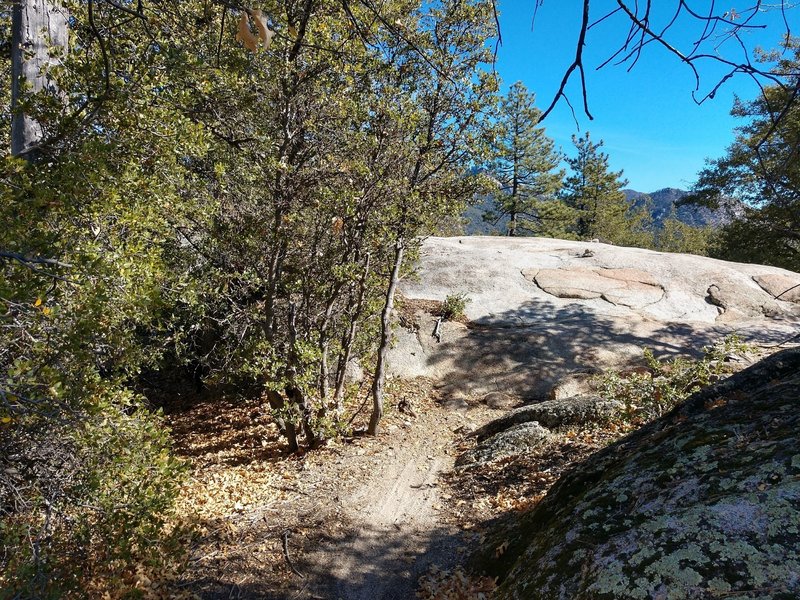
x: 525, y: 351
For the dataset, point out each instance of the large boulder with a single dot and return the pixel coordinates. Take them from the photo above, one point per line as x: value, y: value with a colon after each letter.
x: 577, y: 410
x: 542, y: 308
x: 701, y: 503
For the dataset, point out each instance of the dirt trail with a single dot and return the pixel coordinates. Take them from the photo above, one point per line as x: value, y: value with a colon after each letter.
x: 367, y: 516
x: 393, y: 511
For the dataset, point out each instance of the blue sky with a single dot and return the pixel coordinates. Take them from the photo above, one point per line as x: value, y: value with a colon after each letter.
x: 651, y: 126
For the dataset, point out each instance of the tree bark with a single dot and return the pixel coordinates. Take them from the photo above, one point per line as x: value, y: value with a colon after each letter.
x: 293, y: 392
x: 39, y: 40
x: 287, y: 429
x: 512, y: 225
x: 349, y: 337
x: 383, y: 349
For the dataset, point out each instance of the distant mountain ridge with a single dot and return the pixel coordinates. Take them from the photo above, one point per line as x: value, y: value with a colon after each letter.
x: 662, y: 203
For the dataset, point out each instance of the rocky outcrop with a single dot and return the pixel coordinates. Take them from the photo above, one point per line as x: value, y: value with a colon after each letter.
x: 629, y: 287
x: 665, y: 204
x: 701, y: 503
x: 541, y: 309
x: 513, y: 441
x: 528, y: 427
x: 738, y: 303
x: 578, y: 410
x: 780, y: 286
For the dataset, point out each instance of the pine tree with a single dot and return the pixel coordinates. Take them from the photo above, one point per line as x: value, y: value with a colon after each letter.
x: 762, y: 170
x: 525, y: 162
x: 595, y: 192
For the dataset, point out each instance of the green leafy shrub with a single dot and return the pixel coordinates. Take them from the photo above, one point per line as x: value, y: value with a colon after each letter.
x: 87, y: 495
x: 649, y: 393
x: 453, y: 306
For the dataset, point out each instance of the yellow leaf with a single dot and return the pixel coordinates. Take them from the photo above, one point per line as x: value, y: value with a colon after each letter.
x: 5, y: 420
x: 292, y: 31
x: 38, y: 302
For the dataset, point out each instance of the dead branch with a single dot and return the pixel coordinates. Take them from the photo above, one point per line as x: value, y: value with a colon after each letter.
x: 643, y: 31
x: 285, y: 543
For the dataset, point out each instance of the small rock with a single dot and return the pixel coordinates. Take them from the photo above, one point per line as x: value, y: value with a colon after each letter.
x: 465, y: 429
x: 498, y: 400
x: 456, y: 404
x: 511, y: 442
x: 454, y: 394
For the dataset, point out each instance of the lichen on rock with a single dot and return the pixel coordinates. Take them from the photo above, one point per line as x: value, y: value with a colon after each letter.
x: 701, y: 503
x: 511, y: 442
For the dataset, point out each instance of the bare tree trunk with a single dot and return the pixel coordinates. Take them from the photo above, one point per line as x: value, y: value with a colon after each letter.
x: 39, y: 40
x: 291, y: 437
x: 324, y: 344
x: 287, y: 429
x: 296, y: 396
x: 347, y: 342
x: 293, y: 392
x: 512, y: 225
x: 383, y: 349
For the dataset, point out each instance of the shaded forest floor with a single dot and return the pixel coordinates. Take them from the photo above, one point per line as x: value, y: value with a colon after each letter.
x: 360, y: 518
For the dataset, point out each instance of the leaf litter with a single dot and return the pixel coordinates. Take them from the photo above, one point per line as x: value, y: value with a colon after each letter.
x: 391, y: 501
